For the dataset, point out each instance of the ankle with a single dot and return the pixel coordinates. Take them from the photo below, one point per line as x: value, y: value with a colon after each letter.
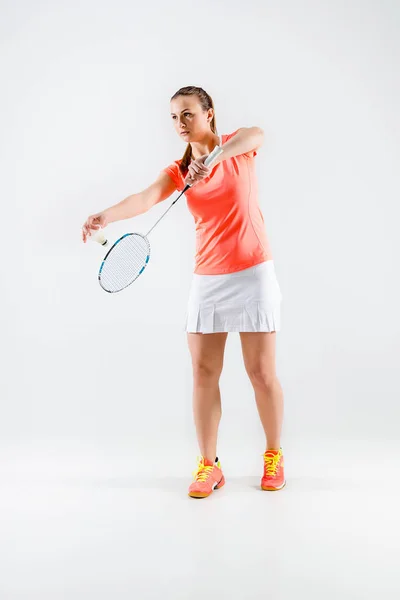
x: 209, y: 460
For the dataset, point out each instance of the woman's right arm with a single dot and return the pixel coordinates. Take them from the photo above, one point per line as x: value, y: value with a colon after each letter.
x: 133, y: 205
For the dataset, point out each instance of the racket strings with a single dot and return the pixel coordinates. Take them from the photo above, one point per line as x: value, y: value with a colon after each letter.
x: 124, y: 262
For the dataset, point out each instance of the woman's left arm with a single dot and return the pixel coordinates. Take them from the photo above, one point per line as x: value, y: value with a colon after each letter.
x: 245, y: 140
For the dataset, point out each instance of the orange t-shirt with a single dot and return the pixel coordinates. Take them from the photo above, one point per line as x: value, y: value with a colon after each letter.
x: 230, y: 231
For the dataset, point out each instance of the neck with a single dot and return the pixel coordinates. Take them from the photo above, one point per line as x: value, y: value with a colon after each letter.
x: 205, y: 145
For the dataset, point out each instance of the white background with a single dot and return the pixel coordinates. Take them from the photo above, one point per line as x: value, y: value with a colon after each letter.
x: 100, y: 385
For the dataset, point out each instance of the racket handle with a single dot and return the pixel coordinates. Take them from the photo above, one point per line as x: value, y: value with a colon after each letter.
x: 209, y: 160
x: 98, y: 236
x: 213, y: 156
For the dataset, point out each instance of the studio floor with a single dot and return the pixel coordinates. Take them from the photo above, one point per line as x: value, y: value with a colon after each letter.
x: 332, y: 533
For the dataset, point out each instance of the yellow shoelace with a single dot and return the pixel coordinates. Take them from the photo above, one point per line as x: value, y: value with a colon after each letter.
x: 271, y: 463
x: 203, y: 471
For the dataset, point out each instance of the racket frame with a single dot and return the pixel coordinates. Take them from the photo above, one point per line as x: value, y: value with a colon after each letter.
x: 141, y: 270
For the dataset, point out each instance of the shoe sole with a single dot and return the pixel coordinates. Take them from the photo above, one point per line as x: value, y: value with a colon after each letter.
x: 273, y: 489
x: 203, y: 494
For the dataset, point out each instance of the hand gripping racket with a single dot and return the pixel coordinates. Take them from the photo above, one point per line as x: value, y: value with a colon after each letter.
x: 129, y: 255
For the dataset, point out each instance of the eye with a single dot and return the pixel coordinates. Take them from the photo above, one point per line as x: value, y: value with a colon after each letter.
x: 187, y: 114
x: 173, y: 117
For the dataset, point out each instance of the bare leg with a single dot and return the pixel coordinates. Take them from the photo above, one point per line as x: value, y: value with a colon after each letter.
x: 207, y: 352
x: 259, y: 359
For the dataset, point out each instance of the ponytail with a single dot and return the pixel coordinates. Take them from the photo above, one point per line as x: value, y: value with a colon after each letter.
x: 206, y: 103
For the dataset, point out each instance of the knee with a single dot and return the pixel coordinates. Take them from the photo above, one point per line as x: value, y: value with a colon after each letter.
x: 261, y: 377
x: 204, y: 372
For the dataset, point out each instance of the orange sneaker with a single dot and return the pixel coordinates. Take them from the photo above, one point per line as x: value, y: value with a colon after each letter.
x: 207, y: 478
x: 274, y: 476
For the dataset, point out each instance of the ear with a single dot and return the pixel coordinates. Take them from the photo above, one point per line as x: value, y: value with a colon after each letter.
x: 210, y: 114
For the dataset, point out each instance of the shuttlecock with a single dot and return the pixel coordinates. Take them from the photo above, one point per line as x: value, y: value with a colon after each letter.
x: 97, y: 235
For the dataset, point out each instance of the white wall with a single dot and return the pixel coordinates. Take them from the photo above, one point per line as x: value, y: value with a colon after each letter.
x: 93, y: 380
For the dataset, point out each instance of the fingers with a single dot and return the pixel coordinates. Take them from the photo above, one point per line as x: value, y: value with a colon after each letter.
x: 192, y: 180
x: 85, y: 233
x: 89, y: 225
x: 195, y: 179
x: 197, y: 172
x: 198, y: 168
x: 195, y: 168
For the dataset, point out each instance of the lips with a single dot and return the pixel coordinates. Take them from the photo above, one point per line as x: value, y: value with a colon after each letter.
x: 184, y: 132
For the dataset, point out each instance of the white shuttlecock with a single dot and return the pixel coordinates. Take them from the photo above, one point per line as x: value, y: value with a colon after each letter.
x: 98, y: 236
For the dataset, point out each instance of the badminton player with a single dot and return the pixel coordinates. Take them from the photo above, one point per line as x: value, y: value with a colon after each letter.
x: 234, y: 286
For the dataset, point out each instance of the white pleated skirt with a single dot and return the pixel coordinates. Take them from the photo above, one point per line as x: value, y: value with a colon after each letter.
x: 248, y: 300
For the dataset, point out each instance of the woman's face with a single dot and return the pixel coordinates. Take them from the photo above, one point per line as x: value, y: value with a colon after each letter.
x: 191, y: 122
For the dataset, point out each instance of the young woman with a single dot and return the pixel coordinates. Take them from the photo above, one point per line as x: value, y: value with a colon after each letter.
x: 234, y: 286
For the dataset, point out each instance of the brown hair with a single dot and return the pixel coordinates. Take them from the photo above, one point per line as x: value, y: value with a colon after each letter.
x: 206, y: 103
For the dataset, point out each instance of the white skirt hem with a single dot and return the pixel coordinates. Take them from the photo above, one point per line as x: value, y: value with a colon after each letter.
x: 254, y: 318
